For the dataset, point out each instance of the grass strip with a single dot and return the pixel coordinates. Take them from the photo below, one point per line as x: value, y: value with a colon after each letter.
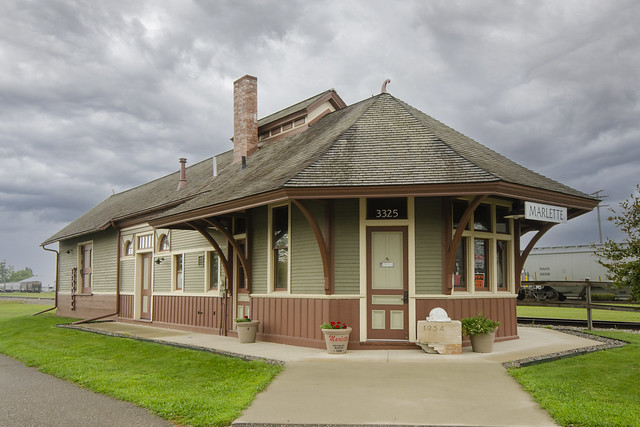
x: 595, y: 389
x: 184, y: 386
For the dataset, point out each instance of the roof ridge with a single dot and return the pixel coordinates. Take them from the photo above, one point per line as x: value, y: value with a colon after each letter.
x: 404, y: 106
x: 339, y: 137
x: 502, y: 176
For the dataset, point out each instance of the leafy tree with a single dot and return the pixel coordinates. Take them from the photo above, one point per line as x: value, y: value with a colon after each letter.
x: 21, y: 275
x: 5, y: 271
x: 623, y: 259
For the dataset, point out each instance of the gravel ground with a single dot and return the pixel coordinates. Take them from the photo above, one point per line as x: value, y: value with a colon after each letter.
x: 607, y: 343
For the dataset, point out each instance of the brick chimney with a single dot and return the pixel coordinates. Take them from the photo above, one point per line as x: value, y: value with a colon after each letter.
x: 183, y: 173
x: 245, y: 117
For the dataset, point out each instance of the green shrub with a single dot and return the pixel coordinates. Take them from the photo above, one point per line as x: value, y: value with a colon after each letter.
x: 603, y: 297
x: 478, y: 325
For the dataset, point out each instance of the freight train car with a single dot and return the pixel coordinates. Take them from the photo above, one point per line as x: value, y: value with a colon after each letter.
x: 561, y: 268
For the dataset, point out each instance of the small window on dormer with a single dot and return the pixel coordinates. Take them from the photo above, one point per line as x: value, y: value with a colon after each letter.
x: 164, y: 243
x: 298, y: 122
x: 287, y: 126
x: 264, y: 135
x: 275, y: 131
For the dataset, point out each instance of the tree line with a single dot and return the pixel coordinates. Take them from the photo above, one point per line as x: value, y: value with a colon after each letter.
x: 9, y: 274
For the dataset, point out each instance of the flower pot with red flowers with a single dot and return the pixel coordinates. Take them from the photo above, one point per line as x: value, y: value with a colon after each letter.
x: 336, y: 336
x: 246, y: 329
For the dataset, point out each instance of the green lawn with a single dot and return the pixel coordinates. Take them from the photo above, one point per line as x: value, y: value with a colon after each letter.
x: 595, y: 389
x: 184, y: 386
x: 578, y: 313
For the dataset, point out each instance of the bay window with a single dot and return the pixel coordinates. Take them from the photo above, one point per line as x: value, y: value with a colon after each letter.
x: 483, y: 257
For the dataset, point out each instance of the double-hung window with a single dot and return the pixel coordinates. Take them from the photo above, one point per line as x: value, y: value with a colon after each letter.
x: 280, y: 247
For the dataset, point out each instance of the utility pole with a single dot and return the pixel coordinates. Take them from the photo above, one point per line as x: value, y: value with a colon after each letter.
x: 597, y: 195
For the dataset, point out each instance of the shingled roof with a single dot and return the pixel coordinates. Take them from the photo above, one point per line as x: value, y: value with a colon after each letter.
x: 152, y: 197
x: 380, y: 141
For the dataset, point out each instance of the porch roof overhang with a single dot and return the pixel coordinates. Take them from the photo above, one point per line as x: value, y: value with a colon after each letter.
x: 575, y: 205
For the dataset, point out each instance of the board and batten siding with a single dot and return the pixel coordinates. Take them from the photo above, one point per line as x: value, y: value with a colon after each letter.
x: 127, y: 275
x: 307, y: 275
x: 428, y: 220
x: 258, y: 250
x: 193, y: 272
x: 162, y: 274
x: 346, y: 247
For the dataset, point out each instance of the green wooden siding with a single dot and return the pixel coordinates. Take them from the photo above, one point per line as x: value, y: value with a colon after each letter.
x: 193, y: 272
x: 306, y: 263
x: 162, y: 274
x: 258, y: 250
x: 66, y: 263
x: 184, y: 239
x: 127, y: 275
x: 104, y: 263
x: 428, y: 214
x: 347, y: 246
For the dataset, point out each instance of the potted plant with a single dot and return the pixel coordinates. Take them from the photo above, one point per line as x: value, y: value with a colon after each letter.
x: 336, y: 336
x: 481, y: 331
x: 246, y: 329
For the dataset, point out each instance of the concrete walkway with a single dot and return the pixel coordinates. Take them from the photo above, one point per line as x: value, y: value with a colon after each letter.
x: 399, y: 387
x: 31, y: 398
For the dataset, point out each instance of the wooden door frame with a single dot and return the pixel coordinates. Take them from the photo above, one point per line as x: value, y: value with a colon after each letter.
x: 86, y: 290
x: 238, y: 273
x: 405, y: 278
x: 144, y: 255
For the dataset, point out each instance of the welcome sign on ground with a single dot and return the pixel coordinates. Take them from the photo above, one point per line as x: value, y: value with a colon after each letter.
x: 546, y: 213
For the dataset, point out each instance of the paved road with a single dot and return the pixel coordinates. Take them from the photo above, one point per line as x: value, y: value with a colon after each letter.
x: 31, y: 398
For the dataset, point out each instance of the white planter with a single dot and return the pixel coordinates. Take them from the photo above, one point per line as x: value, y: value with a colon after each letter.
x: 482, y: 343
x: 247, y: 331
x: 337, y: 340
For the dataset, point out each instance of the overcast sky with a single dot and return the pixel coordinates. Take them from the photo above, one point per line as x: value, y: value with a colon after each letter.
x: 101, y: 96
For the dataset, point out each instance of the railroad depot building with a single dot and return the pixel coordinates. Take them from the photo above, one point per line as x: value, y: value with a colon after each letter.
x: 370, y: 214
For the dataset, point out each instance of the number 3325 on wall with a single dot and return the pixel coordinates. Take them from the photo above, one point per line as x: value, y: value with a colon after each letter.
x: 387, y: 213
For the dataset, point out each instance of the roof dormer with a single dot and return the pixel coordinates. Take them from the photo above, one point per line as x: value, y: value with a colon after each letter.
x: 298, y: 117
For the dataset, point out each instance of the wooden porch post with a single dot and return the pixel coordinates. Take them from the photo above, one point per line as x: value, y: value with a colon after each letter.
x: 457, y: 237
x: 236, y: 247
x: 520, y: 259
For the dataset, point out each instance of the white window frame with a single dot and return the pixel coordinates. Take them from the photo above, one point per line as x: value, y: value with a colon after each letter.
x: 270, y: 256
x: 174, y: 271
x: 209, y: 256
x: 493, y: 236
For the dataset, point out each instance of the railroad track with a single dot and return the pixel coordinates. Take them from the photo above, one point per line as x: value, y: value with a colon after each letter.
x: 606, y: 324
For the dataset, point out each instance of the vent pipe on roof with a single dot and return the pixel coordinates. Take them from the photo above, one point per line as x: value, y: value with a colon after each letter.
x: 183, y: 173
x: 245, y: 117
x: 384, y: 86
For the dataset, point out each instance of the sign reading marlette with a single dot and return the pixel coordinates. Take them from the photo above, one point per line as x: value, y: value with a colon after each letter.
x: 546, y: 213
